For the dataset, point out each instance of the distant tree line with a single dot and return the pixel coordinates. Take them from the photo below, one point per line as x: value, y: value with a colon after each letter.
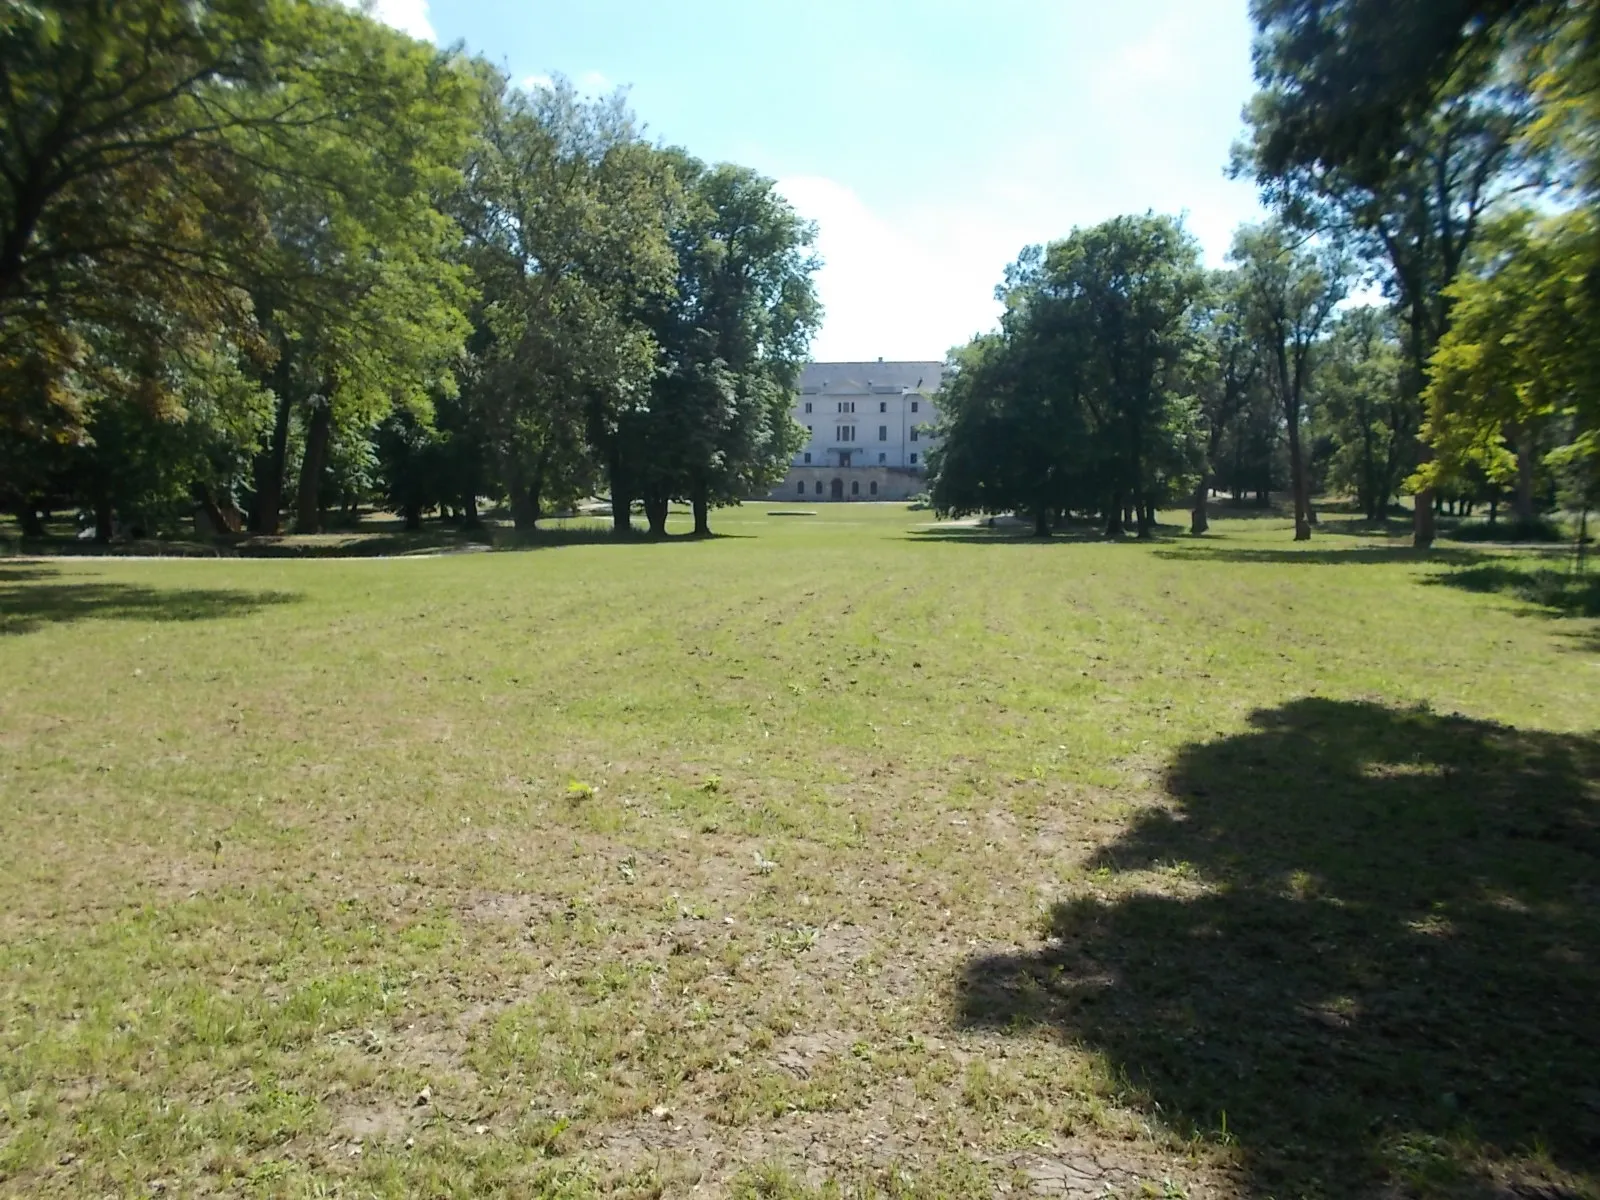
x: 269, y: 259
x: 1442, y: 156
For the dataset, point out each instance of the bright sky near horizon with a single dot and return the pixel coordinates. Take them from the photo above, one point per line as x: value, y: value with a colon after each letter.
x: 929, y: 141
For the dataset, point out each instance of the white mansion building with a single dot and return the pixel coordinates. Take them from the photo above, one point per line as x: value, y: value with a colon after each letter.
x: 870, y: 429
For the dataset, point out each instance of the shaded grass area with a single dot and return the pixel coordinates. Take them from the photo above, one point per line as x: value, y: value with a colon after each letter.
x: 31, y: 597
x: 1385, y: 966
x: 1561, y: 592
x: 827, y: 854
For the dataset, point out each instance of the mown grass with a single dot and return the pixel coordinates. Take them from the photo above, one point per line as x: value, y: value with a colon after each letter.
x: 842, y: 855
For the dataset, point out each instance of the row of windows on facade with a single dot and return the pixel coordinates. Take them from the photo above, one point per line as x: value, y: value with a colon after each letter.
x: 847, y: 433
x: 849, y: 406
x: 855, y: 487
x: 882, y: 459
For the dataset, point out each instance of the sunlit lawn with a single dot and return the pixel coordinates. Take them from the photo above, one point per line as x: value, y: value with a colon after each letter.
x: 837, y: 850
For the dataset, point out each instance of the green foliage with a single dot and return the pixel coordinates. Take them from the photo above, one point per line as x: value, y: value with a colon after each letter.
x: 732, y: 333
x: 205, y: 204
x: 1404, y: 165
x: 1082, y: 401
x: 1519, y: 367
x: 1364, y: 407
x: 1288, y: 289
x: 566, y: 212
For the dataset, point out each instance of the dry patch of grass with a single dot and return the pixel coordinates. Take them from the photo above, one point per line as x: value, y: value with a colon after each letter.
x: 831, y: 857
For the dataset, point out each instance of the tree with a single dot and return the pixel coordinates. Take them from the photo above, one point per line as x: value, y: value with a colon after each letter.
x: 1348, y: 79
x: 1116, y: 300
x: 1518, y: 369
x: 1366, y: 409
x: 117, y: 165
x: 1012, y: 433
x: 1404, y: 159
x: 1228, y: 371
x: 357, y: 292
x: 566, y: 212
x: 1290, y: 288
x: 733, y: 334
x: 1085, y: 391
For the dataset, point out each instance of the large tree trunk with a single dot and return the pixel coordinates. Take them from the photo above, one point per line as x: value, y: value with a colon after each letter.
x: 1297, y: 482
x: 1524, y: 499
x: 655, y: 512
x: 269, y: 472
x: 1114, y: 525
x: 1199, y: 519
x: 1422, y: 524
x: 702, y: 511
x: 412, y: 513
x: 1041, y: 520
x: 526, y: 507
x: 469, y: 510
x: 104, y: 524
x: 308, y: 507
x: 524, y: 515
x: 28, y: 518
x: 223, y: 519
x: 621, y: 499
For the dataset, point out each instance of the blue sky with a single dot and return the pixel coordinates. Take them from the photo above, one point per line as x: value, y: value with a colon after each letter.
x: 930, y: 140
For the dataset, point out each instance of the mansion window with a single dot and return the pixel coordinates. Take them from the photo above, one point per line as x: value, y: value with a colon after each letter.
x: 847, y: 433
x: 913, y: 433
x: 913, y: 460
x: 883, y: 406
x: 808, y: 456
x: 847, y: 406
x: 883, y: 433
x: 913, y: 406
x: 883, y: 458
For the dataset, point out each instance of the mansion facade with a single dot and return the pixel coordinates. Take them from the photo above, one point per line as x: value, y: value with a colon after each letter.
x: 870, y: 427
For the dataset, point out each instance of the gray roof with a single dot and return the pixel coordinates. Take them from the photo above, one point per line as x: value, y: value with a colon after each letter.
x: 870, y: 378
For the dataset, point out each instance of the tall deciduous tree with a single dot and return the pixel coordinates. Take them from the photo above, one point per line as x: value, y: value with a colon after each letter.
x: 567, y: 213
x: 1366, y: 408
x: 733, y: 335
x: 1228, y: 374
x: 1013, y: 432
x: 1519, y: 370
x: 1290, y: 289
x: 1399, y: 126
x: 1120, y: 295
x: 357, y: 289
x: 1088, y: 385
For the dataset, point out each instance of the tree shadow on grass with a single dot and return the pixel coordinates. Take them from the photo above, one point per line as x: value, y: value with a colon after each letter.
x: 27, y: 604
x: 1559, y: 592
x: 1330, y: 557
x: 1361, y: 944
x: 1023, y: 535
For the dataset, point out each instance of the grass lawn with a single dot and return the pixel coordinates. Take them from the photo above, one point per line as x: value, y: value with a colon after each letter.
x: 837, y: 852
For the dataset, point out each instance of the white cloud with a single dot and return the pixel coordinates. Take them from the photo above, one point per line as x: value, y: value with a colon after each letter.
x: 900, y: 289
x: 531, y: 82
x: 912, y: 281
x: 594, y: 81
x: 410, y: 16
